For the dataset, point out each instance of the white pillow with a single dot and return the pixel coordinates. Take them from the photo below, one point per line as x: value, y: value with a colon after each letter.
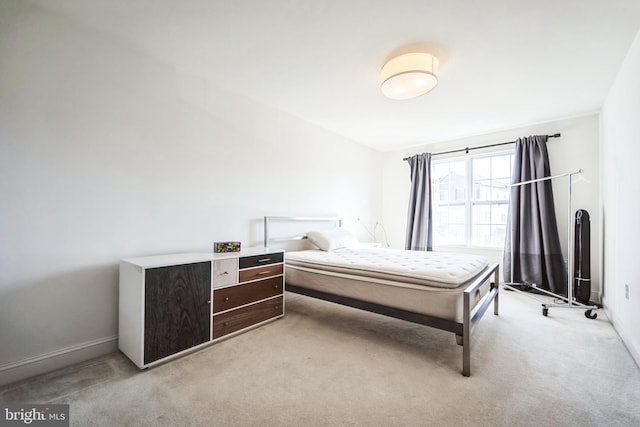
x: 335, y: 238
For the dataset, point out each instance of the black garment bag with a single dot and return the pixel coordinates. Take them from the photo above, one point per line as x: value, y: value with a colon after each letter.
x: 582, y: 258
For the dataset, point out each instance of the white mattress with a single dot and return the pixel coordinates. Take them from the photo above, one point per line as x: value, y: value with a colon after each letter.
x: 431, y: 283
x: 437, y: 269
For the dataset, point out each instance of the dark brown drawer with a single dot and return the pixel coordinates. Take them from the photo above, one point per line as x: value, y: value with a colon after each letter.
x: 258, y: 260
x: 241, y: 318
x: 234, y: 296
x: 260, y: 272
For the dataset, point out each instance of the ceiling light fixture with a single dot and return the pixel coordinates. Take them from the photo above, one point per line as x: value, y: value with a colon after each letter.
x: 409, y: 75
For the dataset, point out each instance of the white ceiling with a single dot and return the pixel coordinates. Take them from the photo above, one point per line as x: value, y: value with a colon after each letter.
x: 503, y: 63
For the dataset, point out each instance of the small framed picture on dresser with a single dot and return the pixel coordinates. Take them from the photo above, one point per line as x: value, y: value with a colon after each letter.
x: 222, y: 247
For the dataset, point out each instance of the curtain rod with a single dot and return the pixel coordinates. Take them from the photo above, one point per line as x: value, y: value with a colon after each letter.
x: 466, y: 150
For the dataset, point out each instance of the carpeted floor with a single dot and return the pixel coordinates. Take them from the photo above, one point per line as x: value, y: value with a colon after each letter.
x: 327, y: 365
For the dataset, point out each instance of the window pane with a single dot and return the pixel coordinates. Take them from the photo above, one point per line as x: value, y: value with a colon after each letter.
x: 489, y: 224
x: 501, y: 176
x: 481, y: 214
x: 449, y: 186
x: 448, y: 225
x: 448, y: 181
x: 481, y: 235
x: 488, y: 235
x: 451, y: 235
x: 481, y: 178
x: 501, y: 166
x: 440, y: 223
x: 499, y: 213
x: 491, y: 177
x: 500, y: 188
x: 498, y: 233
x: 456, y: 234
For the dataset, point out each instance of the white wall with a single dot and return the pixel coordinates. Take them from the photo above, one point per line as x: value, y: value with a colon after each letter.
x: 108, y: 153
x: 577, y: 148
x: 621, y: 204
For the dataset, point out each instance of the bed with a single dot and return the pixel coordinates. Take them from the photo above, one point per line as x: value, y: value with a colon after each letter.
x: 448, y: 291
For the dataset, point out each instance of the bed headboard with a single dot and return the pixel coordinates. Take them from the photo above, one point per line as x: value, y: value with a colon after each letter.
x: 294, y: 219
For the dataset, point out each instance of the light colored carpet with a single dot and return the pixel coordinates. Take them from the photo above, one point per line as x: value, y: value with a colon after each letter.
x: 327, y: 365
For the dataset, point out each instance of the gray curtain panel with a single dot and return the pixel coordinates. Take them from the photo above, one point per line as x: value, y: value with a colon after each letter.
x: 419, y: 235
x: 532, y: 240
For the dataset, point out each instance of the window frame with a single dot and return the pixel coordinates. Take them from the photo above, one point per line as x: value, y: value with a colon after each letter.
x: 469, y: 201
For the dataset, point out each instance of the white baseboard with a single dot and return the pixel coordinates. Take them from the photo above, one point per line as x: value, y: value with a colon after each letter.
x: 617, y: 325
x: 47, y: 362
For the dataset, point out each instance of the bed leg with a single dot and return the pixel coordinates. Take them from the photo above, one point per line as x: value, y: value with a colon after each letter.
x: 496, y: 285
x: 466, y: 336
x: 466, y: 357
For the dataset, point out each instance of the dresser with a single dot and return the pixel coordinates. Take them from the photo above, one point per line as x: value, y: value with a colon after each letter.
x: 173, y: 304
x: 247, y: 290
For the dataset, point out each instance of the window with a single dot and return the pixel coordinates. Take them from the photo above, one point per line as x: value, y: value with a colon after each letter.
x: 471, y: 199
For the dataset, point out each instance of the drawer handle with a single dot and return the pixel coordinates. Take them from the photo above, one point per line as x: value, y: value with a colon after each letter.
x: 226, y: 298
x: 275, y: 286
x: 264, y: 272
x: 224, y: 272
x: 264, y: 260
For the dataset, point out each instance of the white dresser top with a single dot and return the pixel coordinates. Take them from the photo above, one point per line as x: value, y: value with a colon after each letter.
x: 193, y: 257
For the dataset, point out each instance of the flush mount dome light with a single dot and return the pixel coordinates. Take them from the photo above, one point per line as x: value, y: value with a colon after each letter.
x: 409, y: 75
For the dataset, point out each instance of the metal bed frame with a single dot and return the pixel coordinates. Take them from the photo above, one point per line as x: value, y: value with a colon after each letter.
x: 462, y: 330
